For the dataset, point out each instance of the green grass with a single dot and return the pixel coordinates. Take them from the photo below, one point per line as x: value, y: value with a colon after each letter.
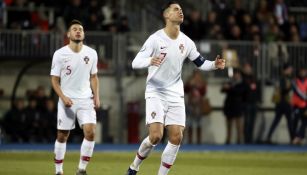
x: 187, y: 163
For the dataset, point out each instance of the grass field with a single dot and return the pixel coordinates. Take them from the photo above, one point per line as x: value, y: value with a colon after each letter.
x: 187, y: 163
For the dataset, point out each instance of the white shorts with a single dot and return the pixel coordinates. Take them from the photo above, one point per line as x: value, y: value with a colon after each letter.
x: 167, y: 113
x: 83, y: 109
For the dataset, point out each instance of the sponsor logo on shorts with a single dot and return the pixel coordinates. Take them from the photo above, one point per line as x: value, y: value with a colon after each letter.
x: 153, y: 115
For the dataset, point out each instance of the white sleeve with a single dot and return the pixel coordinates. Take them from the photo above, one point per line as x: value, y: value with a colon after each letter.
x: 208, y: 65
x: 56, y: 65
x: 193, y: 54
x: 94, y: 69
x: 143, y: 58
x: 199, y: 61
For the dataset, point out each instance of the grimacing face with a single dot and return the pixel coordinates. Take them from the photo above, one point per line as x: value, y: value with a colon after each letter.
x: 174, y: 13
x: 76, y: 33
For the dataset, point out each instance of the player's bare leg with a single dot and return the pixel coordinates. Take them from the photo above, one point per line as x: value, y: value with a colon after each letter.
x: 155, y: 136
x: 87, y: 147
x: 60, y: 150
x: 175, y: 134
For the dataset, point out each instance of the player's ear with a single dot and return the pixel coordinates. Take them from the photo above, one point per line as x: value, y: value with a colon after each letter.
x: 165, y: 14
x: 68, y: 34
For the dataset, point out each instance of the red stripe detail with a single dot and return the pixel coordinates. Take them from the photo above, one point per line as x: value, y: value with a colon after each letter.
x: 58, y: 161
x: 140, y: 157
x: 85, y: 158
x: 166, y: 165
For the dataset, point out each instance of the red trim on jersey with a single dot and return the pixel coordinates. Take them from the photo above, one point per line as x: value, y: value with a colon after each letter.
x: 85, y: 158
x: 139, y: 156
x: 166, y: 165
x: 58, y: 161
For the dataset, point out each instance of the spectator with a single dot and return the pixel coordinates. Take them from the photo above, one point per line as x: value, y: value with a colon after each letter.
x: 48, y: 121
x: 74, y: 10
x: 32, y: 118
x: 280, y: 12
x: 299, y: 103
x: 94, y: 16
x: 14, y: 122
x: 235, y: 90
x: 19, y: 19
x: 282, y: 102
x: 252, y: 97
x: 40, y: 97
x: 123, y: 25
x: 195, y: 88
x: 278, y: 55
x: 194, y: 26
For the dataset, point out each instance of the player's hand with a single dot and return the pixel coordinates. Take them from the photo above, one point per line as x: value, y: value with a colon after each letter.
x: 96, y: 102
x: 67, y: 101
x: 156, y: 61
x: 219, y: 62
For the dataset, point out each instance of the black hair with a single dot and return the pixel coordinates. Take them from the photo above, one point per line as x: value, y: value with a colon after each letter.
x: 286, y: 66
x: 167, y: 5
x: 73, y: 22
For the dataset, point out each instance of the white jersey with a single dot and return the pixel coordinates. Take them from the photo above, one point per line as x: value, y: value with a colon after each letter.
x: 165, y: 81
x: 74, y: 70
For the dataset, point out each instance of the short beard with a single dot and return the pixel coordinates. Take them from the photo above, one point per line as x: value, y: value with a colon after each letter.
x: 77, y: 41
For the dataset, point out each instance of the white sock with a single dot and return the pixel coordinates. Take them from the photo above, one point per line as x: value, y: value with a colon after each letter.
x: 86, y: 152
x: 144, y: 150
x: 59, y: 151
x: 168, y: 158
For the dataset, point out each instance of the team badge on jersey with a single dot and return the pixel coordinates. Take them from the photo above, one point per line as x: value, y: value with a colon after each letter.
x: 181, y: 48
x: 153, y: 115
x: 86, y: 59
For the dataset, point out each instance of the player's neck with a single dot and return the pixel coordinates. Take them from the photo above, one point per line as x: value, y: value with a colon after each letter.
x: 172, y: 30
x: 75, y: 47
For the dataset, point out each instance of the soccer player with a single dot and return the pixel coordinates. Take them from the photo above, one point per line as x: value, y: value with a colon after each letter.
x: 74, y: 79
x: 163, y: 54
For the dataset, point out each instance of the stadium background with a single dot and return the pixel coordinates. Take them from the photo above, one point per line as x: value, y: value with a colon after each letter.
x: 31, y: 30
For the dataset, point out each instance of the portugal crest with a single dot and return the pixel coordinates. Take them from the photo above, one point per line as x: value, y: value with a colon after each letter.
x: 86, y: 59
x: 181, y: 48
x: 153, y: 115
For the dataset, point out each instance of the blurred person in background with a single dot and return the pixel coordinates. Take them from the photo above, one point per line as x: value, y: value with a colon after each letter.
x: 33, y: 116
x: 14, y: 122
x: 48, y: 121
x: 74, y: 79
x: 281, y: 98
x: 195, y: 88
x: 235, y: 90
x: 194, y: 26
x: 163, y: 54
x: 299, y: 104
x: 252, y: 97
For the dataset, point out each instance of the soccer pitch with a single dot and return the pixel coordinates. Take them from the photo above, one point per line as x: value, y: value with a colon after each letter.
x: 187, y: 163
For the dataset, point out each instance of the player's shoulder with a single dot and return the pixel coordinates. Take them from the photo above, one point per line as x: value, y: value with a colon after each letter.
x: 61, y: 50
x: 185, y: 37
x: 89, y: 49
x: 156, y: 35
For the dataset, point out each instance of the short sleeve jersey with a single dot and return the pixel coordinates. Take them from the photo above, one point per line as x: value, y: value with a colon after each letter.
x: 74, y: 70
x: 165, y: 81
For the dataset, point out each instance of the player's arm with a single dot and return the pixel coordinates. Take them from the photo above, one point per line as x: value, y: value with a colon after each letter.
x: 95, y: 89
x: 202, y: 63
x: 55, y: 82
x: 145, y: 56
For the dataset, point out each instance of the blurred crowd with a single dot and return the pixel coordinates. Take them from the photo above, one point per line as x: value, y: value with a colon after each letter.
x: 94, y: 14
x: 242, y: 106
x: 270, y: 20
x: 32, y: 119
